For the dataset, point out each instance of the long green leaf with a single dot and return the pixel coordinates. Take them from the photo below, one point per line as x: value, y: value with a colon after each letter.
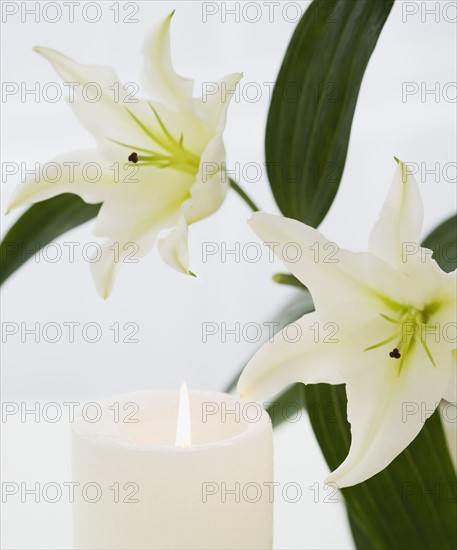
x: 359, y: 534
x: 411, y: 503
x: 287, y: 405
x: 314, y: 100
x: 38, y: 226
x: 443, y: 241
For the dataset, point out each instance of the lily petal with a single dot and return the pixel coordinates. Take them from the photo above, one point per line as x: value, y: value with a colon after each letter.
x: 431, y: 282
x: 85, y: 173
x: 174, y: 249
x: 159, y: 78
x: 211, y: 183
x: 386, y: 408
x: 107, y: 117
x: 133, y: 215
x: 437, y: 291
x: 292, y: 356
x: 450, y: 391
x: 116, y: 252
x: 358, y: 280
x: 400, y: 221
x: 214, y: 105
x: 448, y: 415
x: 207, y: 194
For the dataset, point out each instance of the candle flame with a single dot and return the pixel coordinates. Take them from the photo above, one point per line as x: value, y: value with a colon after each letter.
x: 183, y: 432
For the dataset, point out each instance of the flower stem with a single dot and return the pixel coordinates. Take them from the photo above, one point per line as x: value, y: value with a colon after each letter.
x: 252, y: 205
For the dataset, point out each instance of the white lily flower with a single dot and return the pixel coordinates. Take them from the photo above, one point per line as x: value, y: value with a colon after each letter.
x: 387, y: 322
x: 160, y: 161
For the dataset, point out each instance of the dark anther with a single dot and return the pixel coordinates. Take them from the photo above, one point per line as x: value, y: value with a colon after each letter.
x: 133, y: 158
x: 395, y: 354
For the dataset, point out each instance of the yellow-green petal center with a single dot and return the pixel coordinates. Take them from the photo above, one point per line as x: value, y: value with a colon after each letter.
x: 410, y: 326
x: 169, y: 151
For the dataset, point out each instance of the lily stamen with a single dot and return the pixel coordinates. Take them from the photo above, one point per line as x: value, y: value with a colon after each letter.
x: 384, y: 342
x: 409, y: 317
x: 395, y: 354
x: 175, y: 155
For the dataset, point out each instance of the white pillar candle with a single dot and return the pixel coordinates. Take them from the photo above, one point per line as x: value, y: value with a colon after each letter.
x: 143, y: 486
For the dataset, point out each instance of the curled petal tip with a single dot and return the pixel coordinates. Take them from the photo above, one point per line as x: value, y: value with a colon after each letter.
x: 258, y: 218
x: 253, y: 217
x: 242, y: 390
x: 331, y: 480
x: 239, y: 390
x: 12, y: 205
x: 334, y: 478
x: 241, y: 394
x: 397, y: 160
x: 104, y: 291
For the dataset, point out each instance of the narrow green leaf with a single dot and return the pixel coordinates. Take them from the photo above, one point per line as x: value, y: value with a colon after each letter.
x: 286, y: 406
x: 411, y: 504
x: 358, y: 532
x: 313, y: 103
x: 38, y: 226
x: 443, y: 242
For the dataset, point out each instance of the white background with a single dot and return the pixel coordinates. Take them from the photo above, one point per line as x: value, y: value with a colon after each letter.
x: 168, y: 307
